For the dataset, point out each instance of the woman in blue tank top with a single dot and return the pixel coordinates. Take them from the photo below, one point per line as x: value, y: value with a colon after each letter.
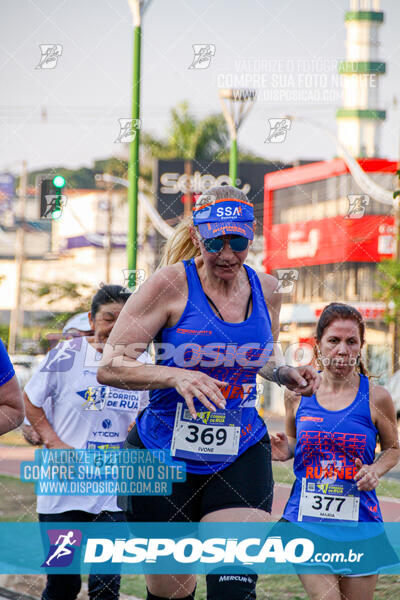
x: 213, y: 322
x: 332, y: 436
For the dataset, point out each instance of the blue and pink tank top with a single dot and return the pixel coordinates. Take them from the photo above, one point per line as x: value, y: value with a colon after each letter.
x: 328, y: 442
x: 230, y: 352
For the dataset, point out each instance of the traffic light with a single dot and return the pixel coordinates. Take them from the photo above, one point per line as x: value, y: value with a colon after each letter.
x: 58, y: 183
x: 49, y: 192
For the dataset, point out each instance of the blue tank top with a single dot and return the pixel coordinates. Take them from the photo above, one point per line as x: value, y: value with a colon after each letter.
x: 230, y: 352
x: 328, y: 442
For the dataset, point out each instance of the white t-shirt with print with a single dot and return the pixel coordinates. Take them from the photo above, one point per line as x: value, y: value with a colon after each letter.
x: 85, y: 413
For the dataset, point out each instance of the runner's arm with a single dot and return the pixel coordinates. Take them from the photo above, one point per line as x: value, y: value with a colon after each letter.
x: 11, y: 408
x: 283, y: 444
x: 302, y: 380
x: 38, y: 420
x: 384, y: 417
x: 143, y: 316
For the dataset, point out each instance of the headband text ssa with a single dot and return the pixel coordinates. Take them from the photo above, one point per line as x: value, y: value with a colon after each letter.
x: 224, y: 217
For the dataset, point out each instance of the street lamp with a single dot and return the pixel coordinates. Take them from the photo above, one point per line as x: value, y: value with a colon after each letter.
x: 236, y: 105
x: 137, y: 8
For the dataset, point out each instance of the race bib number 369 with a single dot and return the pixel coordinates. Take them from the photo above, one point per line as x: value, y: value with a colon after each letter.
x: 213, y: 436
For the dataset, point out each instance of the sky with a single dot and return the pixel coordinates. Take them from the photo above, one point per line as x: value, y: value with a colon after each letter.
x: 287, y: 49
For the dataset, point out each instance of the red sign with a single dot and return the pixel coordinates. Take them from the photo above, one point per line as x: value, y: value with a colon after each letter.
x: 333, y: 240
x: 370, y: 312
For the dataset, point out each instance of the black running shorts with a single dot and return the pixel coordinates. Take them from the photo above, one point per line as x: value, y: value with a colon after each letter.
x: 247, y: 482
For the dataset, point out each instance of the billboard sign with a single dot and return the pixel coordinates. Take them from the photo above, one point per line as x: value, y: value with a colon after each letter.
x: 172, y: 183
x: 330, y: 240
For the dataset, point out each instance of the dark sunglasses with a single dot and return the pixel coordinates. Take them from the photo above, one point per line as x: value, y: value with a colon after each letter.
x: 237, y: 243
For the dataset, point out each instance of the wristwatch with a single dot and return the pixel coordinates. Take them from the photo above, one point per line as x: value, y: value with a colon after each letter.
x: 275, y: 375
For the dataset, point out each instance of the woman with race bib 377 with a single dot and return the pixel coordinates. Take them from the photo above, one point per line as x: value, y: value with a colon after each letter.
x: 332, y: 436
x: 213, y: 320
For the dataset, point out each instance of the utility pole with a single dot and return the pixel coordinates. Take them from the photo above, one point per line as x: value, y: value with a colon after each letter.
x: 19, y: 260
x: 188, y: 196
x: 137, y: 9
x: 108, y: 244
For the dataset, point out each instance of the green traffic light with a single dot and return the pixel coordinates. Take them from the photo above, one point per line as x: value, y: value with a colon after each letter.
x: 58, y: 181
x: 56, y: 214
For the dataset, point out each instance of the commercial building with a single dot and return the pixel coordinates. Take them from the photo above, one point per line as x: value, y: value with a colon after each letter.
x: 324, y: 239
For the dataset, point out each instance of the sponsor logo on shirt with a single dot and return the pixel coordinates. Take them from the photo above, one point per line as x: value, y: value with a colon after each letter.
x: 373, y: 508
x: 94, y: 396
x: 122, y: 400
x: 102, y: 396
x: 202, y: 331
x: 105, y: 434
x: 316, y: 419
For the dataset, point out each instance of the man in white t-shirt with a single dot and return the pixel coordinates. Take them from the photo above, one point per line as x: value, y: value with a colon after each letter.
x: 85, y: 414
x: 76, y: 326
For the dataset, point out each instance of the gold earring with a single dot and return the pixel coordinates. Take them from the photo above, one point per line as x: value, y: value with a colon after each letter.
x: 319, y: 358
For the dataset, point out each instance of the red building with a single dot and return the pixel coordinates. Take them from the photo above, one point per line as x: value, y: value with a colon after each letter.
x: 323, y: 239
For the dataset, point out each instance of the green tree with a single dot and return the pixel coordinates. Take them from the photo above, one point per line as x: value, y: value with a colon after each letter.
x: 77, y: 294
x: 114, y: 166
x: 82, y: 178
x: 389, y: 281
x: 189, y: 137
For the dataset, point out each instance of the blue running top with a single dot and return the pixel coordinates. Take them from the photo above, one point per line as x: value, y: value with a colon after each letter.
x: 328, y: 442
x: 6, y: 368
x: 231, y: 352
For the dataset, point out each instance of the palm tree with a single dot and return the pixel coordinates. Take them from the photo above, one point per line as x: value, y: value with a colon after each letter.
x: 190, y: 138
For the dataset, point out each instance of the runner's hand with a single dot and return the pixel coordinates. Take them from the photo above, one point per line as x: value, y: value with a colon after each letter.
x: 58, y: 445
x: 366, y: 478
x: 280, y: 449
x: 31, y: 435
x: 196, y: 384
x: 303, y: 381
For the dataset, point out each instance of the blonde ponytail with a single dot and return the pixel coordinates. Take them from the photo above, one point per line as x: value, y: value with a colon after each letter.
x: 179, y: 246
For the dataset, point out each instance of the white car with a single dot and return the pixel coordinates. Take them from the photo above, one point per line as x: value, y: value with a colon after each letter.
x: 24, y: 365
